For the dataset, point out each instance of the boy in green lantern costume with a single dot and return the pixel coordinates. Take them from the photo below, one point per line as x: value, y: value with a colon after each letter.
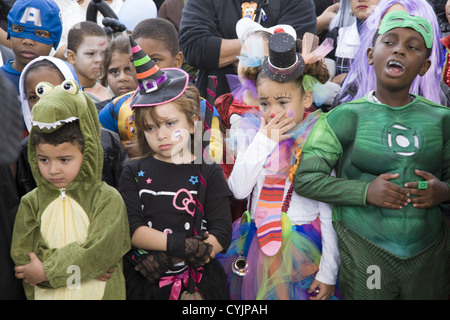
x: 391, y: 151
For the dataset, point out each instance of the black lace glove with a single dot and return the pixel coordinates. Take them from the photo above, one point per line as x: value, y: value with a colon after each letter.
x: 153, y: 265
x: 194, y: 250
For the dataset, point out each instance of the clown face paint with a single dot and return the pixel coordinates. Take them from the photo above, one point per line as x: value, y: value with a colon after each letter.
x: 275, y: 97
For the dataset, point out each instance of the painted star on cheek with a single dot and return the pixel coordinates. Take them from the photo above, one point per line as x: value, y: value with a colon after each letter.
x: 149, y: 181
x: 193, y: 179
x: 141, y: 173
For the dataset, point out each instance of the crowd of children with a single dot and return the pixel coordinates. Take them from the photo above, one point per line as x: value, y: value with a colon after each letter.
x: 323, y: 174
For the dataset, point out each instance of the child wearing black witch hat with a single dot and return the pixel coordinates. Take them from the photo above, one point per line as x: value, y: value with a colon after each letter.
x: 178, y: 205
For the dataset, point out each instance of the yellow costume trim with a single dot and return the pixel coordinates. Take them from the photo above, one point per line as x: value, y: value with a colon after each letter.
x: 64, y: 221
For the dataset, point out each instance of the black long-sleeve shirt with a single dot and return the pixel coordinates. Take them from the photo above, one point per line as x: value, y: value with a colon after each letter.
x: 200, y: 36
x: 162, y: 195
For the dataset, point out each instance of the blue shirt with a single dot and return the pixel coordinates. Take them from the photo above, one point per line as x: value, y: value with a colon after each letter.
x: 12, y: 74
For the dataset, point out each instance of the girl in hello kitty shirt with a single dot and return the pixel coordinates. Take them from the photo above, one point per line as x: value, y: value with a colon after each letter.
x: 178, y: 204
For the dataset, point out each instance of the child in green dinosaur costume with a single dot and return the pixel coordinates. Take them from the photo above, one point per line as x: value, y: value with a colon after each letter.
x: 70, y: 232
x: 391, y: 151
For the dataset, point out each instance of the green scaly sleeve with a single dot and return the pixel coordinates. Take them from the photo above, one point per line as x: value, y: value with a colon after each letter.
x: 320, y: 155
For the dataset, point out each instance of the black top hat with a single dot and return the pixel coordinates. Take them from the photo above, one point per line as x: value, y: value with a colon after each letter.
x: 283, y: 63
x: 156, y: 86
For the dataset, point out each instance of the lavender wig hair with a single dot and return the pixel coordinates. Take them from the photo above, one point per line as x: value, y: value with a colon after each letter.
x: 361, y: 78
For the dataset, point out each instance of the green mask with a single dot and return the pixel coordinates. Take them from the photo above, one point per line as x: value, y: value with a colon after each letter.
x: 402, y: 19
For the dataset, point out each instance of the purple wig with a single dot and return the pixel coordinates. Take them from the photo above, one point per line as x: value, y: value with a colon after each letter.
x: 361, y: 78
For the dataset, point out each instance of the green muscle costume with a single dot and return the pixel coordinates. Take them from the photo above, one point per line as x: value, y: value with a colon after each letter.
x: 78, y: 232
x: 409, y: 249
x: 362, y: 140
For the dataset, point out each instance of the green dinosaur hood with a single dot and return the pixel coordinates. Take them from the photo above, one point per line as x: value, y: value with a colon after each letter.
x: 57, y: 106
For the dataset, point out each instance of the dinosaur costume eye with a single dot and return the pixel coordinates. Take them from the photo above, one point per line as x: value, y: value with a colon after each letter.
x: 43, y: 88
x: 70, y: 86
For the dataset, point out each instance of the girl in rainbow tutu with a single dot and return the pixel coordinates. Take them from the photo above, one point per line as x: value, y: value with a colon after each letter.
x: 284, y: 246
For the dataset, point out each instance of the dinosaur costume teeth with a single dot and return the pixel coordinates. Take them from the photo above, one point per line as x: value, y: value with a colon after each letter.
x: 53, y: 125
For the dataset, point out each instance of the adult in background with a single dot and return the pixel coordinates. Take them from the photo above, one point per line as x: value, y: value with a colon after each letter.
x: 10, y: 134
x: 208, y: 32
x: 325, y: 12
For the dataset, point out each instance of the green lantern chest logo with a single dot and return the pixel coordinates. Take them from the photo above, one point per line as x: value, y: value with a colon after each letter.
x: 403, y: 141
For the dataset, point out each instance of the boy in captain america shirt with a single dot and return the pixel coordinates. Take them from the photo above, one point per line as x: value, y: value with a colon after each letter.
x: 34, y: 27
